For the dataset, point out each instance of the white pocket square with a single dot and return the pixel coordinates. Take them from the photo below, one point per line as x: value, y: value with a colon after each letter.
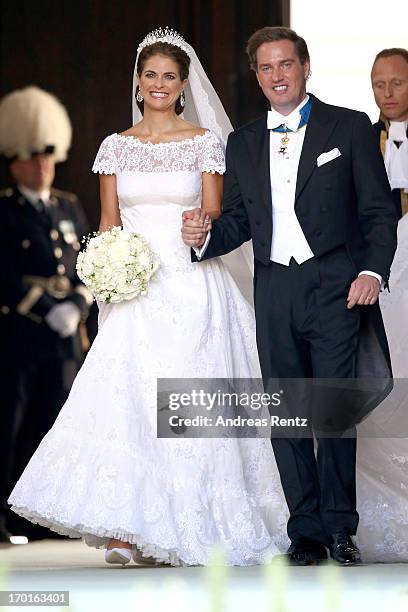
x: 326, y: 157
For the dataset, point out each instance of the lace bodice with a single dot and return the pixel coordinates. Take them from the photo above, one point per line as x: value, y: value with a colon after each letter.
x: 155, y: 184
x: 117, y: 153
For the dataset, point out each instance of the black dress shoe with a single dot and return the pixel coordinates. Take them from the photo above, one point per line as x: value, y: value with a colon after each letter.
x: 305, y: 551
x: 343, y: 550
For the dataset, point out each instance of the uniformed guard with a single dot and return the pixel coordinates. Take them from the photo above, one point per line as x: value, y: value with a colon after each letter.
x: 42, y: 302
x: 389, y: 79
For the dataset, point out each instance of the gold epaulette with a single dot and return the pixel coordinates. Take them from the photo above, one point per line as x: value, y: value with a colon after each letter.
x: 383, y: 140
x: 64, y: 195
x: 404, y: 202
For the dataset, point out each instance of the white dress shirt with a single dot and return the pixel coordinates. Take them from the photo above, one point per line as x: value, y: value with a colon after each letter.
x: 396, y: 158
x: 288, y: 239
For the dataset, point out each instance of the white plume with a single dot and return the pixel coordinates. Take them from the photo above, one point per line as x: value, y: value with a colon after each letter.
x: 32, y: 119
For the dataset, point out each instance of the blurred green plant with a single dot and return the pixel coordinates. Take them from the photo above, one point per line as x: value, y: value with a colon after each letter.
x: 276, y: 579
x: 216, y: 580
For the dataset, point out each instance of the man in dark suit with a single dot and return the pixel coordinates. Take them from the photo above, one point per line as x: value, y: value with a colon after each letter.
x: 389, y: 79
x: 43, y: 304
x: 307, y: 184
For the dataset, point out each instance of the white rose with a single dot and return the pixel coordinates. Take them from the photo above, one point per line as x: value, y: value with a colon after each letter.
x: 119, y: 251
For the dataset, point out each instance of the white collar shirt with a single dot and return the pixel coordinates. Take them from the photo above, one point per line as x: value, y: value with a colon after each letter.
x: 396, y: 157
x: 288, y: 239
x: 34, y: 196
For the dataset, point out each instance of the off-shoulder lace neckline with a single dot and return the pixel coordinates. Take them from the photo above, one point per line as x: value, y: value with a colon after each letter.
x: 120, y: 153
x: 160, y: 144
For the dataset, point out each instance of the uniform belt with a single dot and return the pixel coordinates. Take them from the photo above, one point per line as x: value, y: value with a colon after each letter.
x: 57, y: 286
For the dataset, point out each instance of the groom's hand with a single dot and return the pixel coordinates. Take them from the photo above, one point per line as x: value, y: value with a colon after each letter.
x: 196, y: 224
x: 364, y: 291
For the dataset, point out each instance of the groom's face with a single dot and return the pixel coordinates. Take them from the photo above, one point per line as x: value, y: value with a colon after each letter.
x: 281, y: 76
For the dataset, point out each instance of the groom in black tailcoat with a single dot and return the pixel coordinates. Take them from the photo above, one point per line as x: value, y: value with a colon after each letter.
x: 307, y: 183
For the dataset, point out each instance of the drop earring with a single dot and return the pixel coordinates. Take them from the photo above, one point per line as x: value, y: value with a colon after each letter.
x: 182, y: 99
x: 139, y: 96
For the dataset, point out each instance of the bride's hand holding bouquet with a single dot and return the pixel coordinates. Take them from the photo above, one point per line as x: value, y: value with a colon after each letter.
x: 116, y: 266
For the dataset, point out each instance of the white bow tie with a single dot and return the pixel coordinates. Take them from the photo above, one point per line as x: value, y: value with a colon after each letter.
x: 291, y: 121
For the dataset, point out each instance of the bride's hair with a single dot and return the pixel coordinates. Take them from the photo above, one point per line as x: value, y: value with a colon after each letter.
x: 175, y: 53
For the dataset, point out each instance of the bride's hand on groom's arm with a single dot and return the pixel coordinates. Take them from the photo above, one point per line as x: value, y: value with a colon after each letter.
x: 196, y: 224
x: 364, y: 291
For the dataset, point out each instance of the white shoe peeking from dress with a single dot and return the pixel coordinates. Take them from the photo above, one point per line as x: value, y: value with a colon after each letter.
x: 118, y: 556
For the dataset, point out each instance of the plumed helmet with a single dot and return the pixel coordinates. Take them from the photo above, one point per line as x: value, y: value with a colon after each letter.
x: 33, y: 121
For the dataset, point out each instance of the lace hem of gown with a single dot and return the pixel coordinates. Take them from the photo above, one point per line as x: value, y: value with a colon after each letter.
x: 99, y: 537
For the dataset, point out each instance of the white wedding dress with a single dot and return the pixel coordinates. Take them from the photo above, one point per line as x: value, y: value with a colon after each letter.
x: 101, y: 472
x: 382, y: 475
x: 394, y: 304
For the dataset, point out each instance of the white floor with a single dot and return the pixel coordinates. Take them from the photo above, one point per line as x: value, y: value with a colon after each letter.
x: 95, y: 587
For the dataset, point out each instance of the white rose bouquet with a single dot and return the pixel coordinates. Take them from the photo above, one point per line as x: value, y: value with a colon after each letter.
x: 116, y: 265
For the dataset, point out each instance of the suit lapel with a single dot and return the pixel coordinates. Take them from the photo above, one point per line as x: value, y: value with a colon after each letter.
x: 318, y: 131
x: 320, y: 126
x: 257, y: 141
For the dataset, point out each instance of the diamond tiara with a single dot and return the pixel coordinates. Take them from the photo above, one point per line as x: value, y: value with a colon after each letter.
x: 167, y: 35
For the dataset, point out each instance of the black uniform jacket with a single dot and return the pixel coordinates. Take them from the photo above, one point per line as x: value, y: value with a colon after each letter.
x: 38, y: 252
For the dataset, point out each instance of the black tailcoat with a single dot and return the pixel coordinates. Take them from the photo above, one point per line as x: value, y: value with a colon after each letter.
x: 344, y: 202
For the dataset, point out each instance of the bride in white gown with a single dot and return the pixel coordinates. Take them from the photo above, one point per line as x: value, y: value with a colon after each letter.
x: 101, y: 473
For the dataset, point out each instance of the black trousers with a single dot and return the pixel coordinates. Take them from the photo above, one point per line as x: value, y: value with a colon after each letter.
x: 32, y: 395
x: 304, y: 330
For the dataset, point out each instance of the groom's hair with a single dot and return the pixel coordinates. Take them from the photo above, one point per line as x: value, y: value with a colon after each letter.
x: 273, y: 34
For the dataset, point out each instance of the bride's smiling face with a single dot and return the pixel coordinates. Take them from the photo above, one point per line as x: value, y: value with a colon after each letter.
x: 160, y: 83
